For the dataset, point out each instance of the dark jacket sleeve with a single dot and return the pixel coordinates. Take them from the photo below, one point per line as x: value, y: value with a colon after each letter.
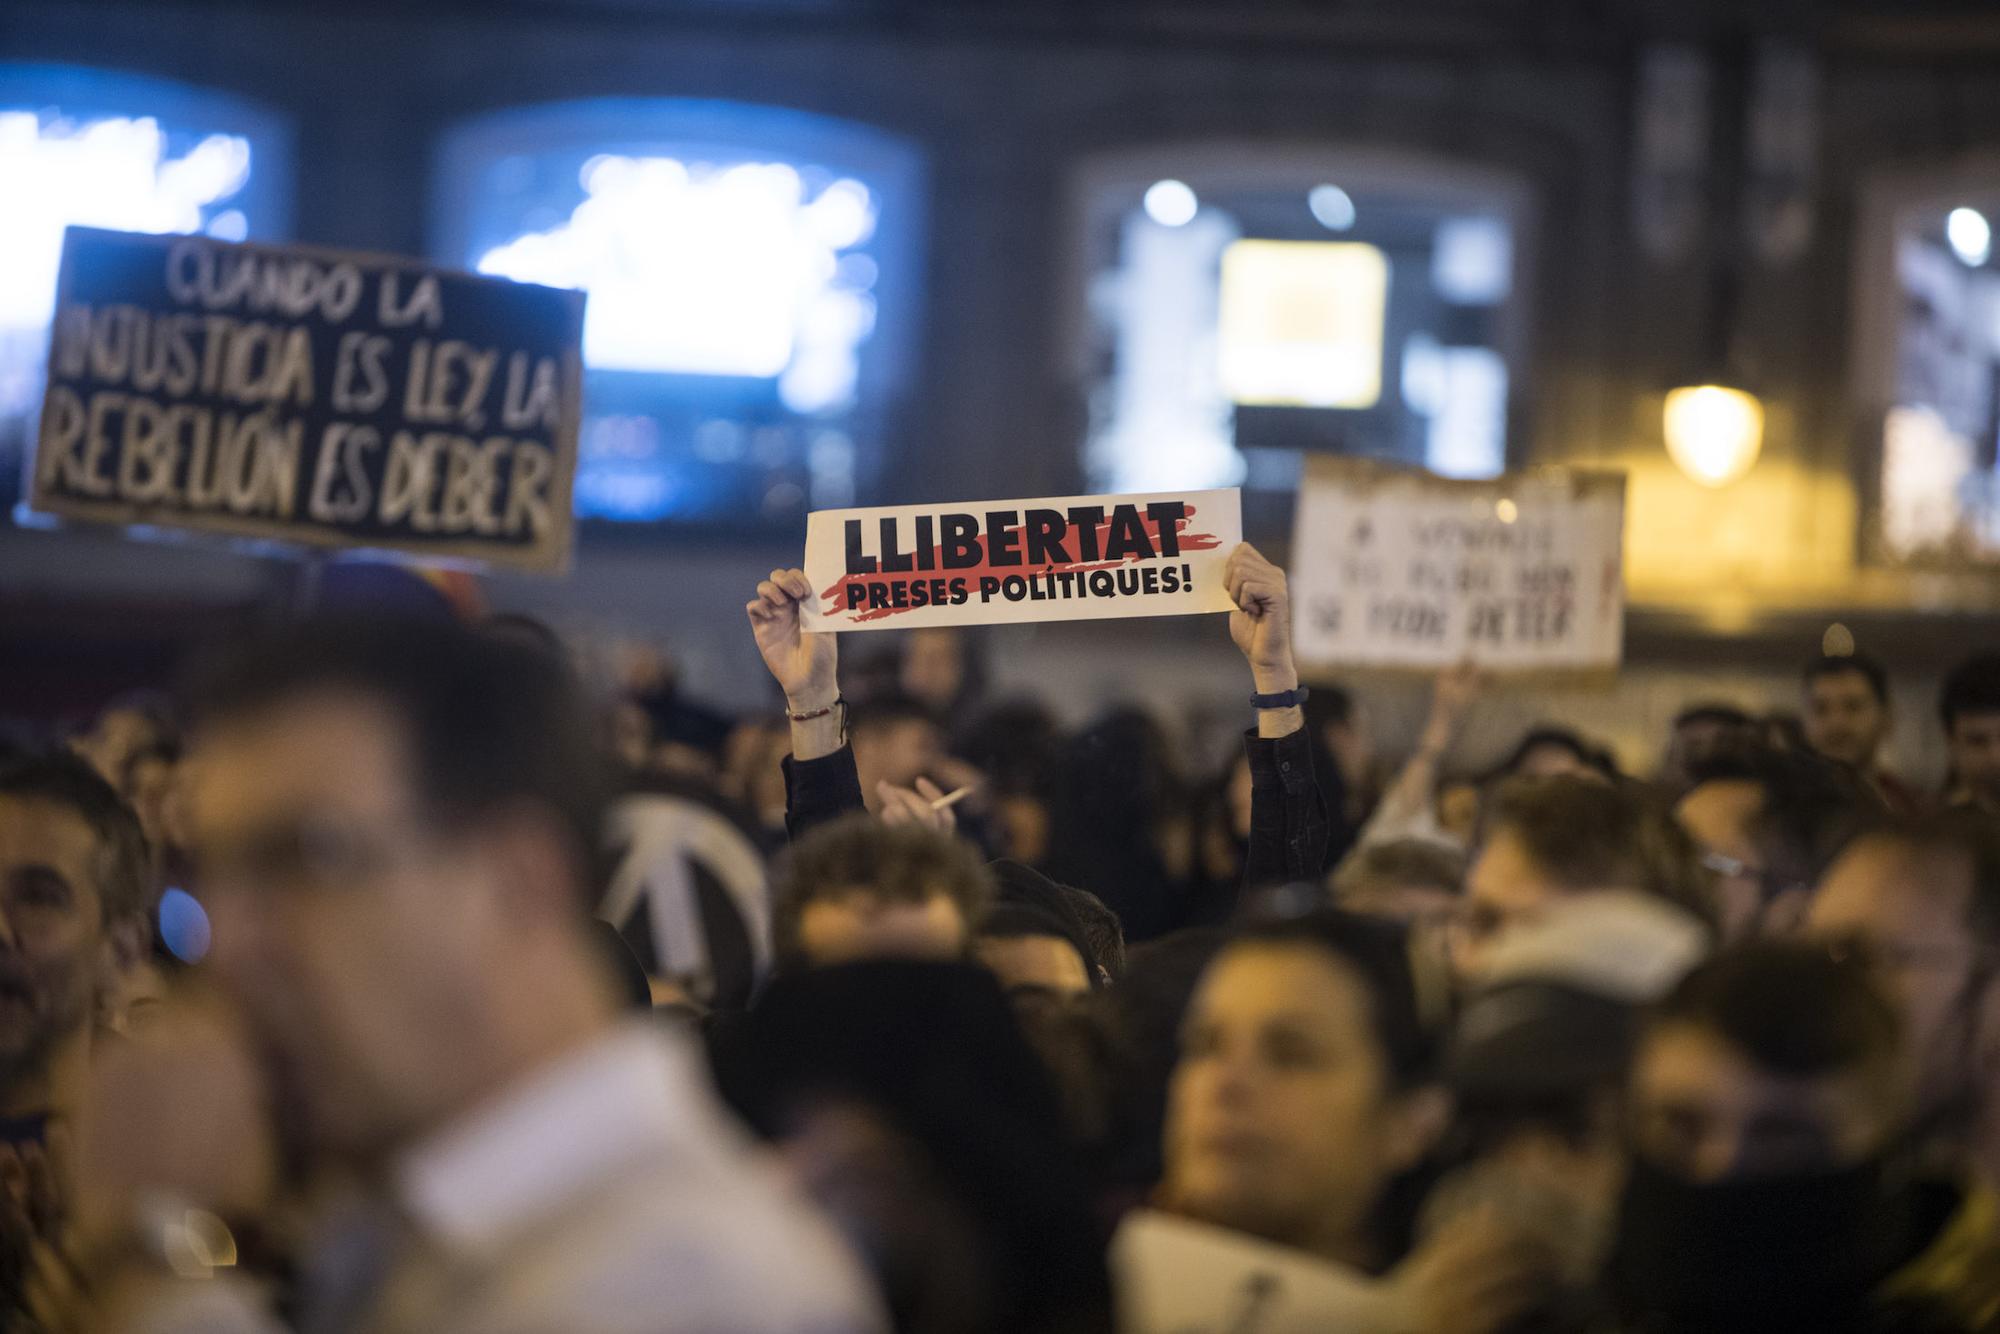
x: 820, y: 790
x: 1288, y: 825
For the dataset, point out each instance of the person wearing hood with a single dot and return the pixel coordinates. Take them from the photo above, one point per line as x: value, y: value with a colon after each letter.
x: 1772, y: 1180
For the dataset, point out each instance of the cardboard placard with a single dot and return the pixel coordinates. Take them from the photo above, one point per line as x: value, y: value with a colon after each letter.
x: 1176, y: 1276
x: 1066, y: 558
x: 1399, y: 569
x: 311, y: 396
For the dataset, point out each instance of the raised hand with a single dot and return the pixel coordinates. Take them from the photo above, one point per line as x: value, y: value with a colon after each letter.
x: 1453, y: 696
x: 1261, y: 625
x: 804, y: 662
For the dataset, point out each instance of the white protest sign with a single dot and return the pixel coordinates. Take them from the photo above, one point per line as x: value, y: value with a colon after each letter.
x: 1175, y: 1276
x: 1392, y: 568
x: 1067, y: 558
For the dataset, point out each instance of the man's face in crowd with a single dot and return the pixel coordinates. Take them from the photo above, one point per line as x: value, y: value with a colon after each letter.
x: 1505, y: 888
x: 1719, y: 817
x: 1281, y: 1121
x: 1702, y: 1110
x: 842, y: 928
x: 898, y: 752
x: 55, y: 953
x: 1974, y: 742
x: 1045, y: 963
x: 1906, y: 909
x: 349, y: 930
x: 934, y: 665
x: 1844, y: 720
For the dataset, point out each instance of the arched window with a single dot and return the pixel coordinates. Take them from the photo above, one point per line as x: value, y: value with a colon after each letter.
x: 1245, y: 305
x: 749, y: 271
x: 98, y: 148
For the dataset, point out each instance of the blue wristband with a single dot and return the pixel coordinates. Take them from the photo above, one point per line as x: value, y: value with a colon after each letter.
x: 1289, y: 699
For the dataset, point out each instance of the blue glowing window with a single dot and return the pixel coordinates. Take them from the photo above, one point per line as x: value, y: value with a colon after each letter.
x: 103, y: 149
x: 748, y: 272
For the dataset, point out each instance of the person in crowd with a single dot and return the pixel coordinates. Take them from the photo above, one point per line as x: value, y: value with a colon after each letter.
x: 1414, y: 881
x: 1548, y: 751
x: 753, y: 775
x: 1847, y: 719
x: 1921, y: 901
x: 1536, y: 1061
x: 148, y: 787
x: 1547, y: 840
x: 397, y: 826
x: 904, y: 1095
x: 941, y: 667
x: 1302, y: 1110
x: 1700, y: 732
x: 1770, y: 1186
x: 76, y: 891
x: 1339, y: 722
x: 126, y: 726
x: 1017, y: 745
x: 1412, y: 806
x: 897, y: 739
x: 856, y: 889
x: 1768, y: 824
x: 1969, y: 705
x: 1289, y: 824
x: 1033, y: 938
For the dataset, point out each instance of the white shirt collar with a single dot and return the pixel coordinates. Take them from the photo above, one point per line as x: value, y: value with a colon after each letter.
x: 567, y: 1131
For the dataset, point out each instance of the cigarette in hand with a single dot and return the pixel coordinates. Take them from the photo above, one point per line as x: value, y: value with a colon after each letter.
x: 953, y: 798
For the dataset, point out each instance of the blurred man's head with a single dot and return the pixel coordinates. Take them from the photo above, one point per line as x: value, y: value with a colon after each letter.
x: 1969, y: 705
x: 1406, y: 880
x: 397, y: 828
x: 1699, y: 733
x: 1920, y: 901
x: 896, y: 739
x: 858, y: 889
x: 75, y: 892
x: 1552, y: 752
x: 1546, y: 839
x: 1768, y: 823
x: 1847, y: 709
x: 1771, y: 1059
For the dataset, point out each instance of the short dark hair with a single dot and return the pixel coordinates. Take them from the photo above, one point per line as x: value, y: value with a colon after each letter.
x: 1792, y: 1008
x: 858, y: 854
x: 1714, y: 714
x: 1416, y: 863
x: 1587, y: 835
x: 488, y: 720
x: 1377, y: 953
x: 1561, y: 738
x: 1972, y: 687
x: 886, y: 710
x: 1812, y: 807
x: 123, y: 868
x: 1858, y: 664
x: 1102, y: 930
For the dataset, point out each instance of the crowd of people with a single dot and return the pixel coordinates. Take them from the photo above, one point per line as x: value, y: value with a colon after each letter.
x: 346, y: 989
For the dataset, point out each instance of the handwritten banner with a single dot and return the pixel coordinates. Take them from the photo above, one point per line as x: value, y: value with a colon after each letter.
x: 1069, y: 558
x: 1393, y: 568
x: 310, y: 396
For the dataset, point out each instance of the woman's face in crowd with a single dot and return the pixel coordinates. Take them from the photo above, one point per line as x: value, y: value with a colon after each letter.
x: 1281, y: 1121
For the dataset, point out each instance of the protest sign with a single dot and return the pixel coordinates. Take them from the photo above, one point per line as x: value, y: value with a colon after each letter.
x: 310, y: 396
x: 1177, y: 1276
x: 1069, y: 558
x: 1401, y: 569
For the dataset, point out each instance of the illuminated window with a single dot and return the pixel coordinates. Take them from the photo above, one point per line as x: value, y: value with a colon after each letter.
x: 1939, y: 495
x: 746, y: 268
x: 100, y: 149
x: 1248, y: 307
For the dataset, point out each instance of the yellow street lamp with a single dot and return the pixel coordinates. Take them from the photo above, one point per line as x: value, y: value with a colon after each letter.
x: 1714, y: 432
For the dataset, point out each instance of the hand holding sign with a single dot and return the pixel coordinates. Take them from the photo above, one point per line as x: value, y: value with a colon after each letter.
x: 804, y: 662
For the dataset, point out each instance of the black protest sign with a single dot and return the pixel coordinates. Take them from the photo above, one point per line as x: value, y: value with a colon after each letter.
x: 310, y: 396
